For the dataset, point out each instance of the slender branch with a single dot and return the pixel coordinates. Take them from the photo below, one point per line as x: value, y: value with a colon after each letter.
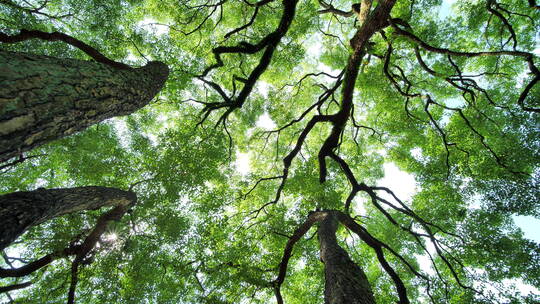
x: 34, y: 10
x: 245, y: 26
x: 90, y: 242
x: 439, y: 50
x: 287, y: 252
x: 328, y: 8
x: 244, y: 196
x: 19, y: 160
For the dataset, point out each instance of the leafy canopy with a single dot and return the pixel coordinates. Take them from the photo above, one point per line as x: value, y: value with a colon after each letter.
x: 465, y: 126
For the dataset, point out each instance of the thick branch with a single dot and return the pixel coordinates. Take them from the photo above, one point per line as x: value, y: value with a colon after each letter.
x: 36, y: 265
x: 56, y: 36
x: 4, y: 289
x: 21, y: 210
x: 375, y: 22
x: 269, y: 43
x: 376, y: 245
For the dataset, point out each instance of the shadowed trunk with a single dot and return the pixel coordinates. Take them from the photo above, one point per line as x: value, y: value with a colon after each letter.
x: 22, y: 210
x: 345, y: 282
x: 45, y: 98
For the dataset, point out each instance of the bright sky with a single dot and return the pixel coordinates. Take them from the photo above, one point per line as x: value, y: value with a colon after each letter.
x: 153, y: 26
x: 404, y: 186
x: 529, y: 225
x: 446, y: 8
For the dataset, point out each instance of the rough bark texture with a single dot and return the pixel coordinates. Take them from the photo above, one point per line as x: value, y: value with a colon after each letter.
x: 44, y: 98
x: 22, y: 210
x: 345, y: 282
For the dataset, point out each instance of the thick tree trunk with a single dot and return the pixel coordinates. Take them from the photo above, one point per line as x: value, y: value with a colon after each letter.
x: 345, y: 282
x: 22, y: 210
x: 44, y: 98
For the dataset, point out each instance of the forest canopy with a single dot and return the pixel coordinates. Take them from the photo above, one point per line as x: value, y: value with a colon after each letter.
x: 235, y: 151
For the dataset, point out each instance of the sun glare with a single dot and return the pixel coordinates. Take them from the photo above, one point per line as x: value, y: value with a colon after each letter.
x: 111, y: 237
x: 265, y: 122
x: 242, y: 163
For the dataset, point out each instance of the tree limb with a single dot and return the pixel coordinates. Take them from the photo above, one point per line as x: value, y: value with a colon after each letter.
x: 56, y: 36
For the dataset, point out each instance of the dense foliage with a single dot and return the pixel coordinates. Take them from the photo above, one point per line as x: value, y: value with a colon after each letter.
x: 260, y: 83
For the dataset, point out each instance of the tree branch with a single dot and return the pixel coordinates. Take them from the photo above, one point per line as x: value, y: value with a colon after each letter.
x: 4, y: 289
x: 56, y: 36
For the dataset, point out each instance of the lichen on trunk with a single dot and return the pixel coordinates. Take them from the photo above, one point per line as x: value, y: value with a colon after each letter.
x: 44, y: 98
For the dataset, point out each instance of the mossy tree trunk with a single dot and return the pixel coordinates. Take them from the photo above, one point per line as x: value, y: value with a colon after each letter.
x: 44, y: 98
x: 22, y: 210
x: 345, y: 282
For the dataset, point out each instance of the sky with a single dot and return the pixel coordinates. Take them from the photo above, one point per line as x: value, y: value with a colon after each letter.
x: 404, y: 185
x: 446, y: 8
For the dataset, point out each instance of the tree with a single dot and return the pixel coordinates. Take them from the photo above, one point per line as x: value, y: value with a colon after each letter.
x: 22, y: 210
x: 448, y: 96
x: 82, y: 249
x: 46, y: 98
x: 345, y: 281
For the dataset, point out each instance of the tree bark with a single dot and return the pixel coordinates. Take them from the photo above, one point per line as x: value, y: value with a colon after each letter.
x: 22, y: 210
x: 345, y: 282
x: 44, y: 98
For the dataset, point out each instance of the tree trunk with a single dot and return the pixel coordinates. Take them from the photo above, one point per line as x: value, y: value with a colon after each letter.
x: 345, y: 282
x: 44, y: 98
x: 22, y: 210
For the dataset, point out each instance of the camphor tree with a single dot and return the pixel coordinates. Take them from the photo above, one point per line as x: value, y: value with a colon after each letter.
x: 45, y: 98
x: 450, y: 96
